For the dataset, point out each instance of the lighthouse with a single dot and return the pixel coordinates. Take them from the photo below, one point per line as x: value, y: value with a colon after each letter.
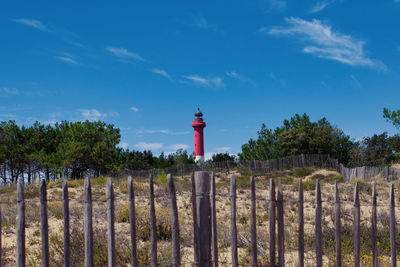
x: 198, y: 124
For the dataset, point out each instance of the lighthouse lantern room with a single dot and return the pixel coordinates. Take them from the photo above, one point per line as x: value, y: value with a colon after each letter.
x: 198, y: 124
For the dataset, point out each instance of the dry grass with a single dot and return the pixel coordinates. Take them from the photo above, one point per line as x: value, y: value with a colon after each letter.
x: 289, y: 178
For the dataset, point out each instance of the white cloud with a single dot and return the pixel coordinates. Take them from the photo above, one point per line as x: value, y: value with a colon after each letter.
x: 162, y: 73
x: 355, y: 82
x: 325, y: 43
x: 92, y: 114
x: 242, y: 78
x: 10, y: 116
x: 276, y: 4
x: 134, y: 109
x: 201, y: 23
x: 178, y: 146
x: 32, y: 23
x: 206, y: 82
x: 67, y: 58
x: 10, y: 91
x: 123, y: 145
x: 124, y: 53
x: 149, y: 146
x: 223, y: 149
x: 322, y: 4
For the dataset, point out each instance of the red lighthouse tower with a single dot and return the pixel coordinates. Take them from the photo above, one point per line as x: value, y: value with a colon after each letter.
x: 198, y: 124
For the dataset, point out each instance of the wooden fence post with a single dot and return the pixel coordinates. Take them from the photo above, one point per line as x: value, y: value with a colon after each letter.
x: 356, y: 225
x: 202, y: 183
x: 153, y: 231
x: 301, y: 225
x: 110, y: 219
x: 213, y: 221
x: 0, y: 236
x: 176, y: 253
x: 132, y: 220
x: 44, y: 224
x: 233, y: 222
x: 195, y: 223
x: 338, y: 237
x: 373, y: 228
x: 253, y: 223
x: 88, y: 223
x: 318, y: 227
x: 65, y: 198
x: 20, y: 225
x: 272, y: 222
x: 281, y: 228
x: 392, y: 228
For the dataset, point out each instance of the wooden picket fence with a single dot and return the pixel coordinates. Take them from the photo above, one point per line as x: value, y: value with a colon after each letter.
x: 203, y: 197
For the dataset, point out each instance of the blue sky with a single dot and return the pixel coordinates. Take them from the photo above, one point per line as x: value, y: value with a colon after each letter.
x: 146, y: 66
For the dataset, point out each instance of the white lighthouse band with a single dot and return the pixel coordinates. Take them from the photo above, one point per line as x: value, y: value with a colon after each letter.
x: 199, y: 159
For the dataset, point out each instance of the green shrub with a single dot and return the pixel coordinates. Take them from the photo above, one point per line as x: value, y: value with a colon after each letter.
x: 284, y: 180
x: 302, y: 172
x: 307, y: 185
x: 101, y: 180
x: 332, y: 178
x: 242, y: 181
x: 76, y: 183
x: 319, y: 176
x: 55, y: 209
x: 162, y: 178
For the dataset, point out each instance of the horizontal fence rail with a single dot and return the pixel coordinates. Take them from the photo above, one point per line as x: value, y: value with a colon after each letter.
x: 205, y: 249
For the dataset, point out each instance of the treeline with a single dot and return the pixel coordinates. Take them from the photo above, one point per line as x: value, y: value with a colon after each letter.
x: 71, y: 149
x: 300, y: 135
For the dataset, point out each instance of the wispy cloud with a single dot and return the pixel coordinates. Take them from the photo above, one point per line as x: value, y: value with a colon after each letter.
x: 242, y: 78
x: 67, y: 58
x: 323, y: 4
x: 124, y: 53
x: 206, y: 82
x: 92, y: 114
x: 149, y: 146
x: 201, y: 23
x: 272, y: 5
x: 134, y: 109
x: 123, y: 145
x: 178, y: 146
x: 9, y: 116
x: 162, y: 73
x: 10, y: 91
x: 223, y: 149
x: 32, y: 23
x: 355, y: 82
x: 162, y: 131
x: 325, y: 43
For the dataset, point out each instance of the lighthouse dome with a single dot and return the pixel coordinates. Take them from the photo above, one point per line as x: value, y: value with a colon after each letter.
x: 198, y: 113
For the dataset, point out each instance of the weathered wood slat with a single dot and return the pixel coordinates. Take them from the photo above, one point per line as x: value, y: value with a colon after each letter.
x: 176, y: 250
x: 338, y: 237
x: 392, y: 228
x: 281, y: 228
x: 20, y: 254
x: 318, y: 226
x: 253, y: 223
x: 374, y: 228
x: 356, y: 227
x: 202, y: 182
x: 65, y: 197
x: 214, y: 231
x: 110, y: 220
x: 132, y: 221
x: 44, y: 224
x: 301, y: 225
x: 272, y: 235
x: 233, y: 222
x: 0, y: 238
x: 153, y: 230
x: 195, y: 223
x: 88, y: 223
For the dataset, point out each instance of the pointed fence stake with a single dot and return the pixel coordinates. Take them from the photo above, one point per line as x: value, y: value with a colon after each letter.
x: 195, y: 223
x: 132, y: 221
x: 65, y: 198
x: 176, y: 253
x: 356, y: 227
x: 318, y: 226
x: 272, y: 235
x: 88, y: 223
x: 281, y: 228
x: 153, y: 231
x: 233, y: 222
x: 44, y: 224
x: 110, y: 219
x: 20, y: 225
x: 392, y: 228
x: 373, y: 228
x: 338, y: 236
x: 253, y: 223
x: 301, y: 224
x: 214, y: 232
